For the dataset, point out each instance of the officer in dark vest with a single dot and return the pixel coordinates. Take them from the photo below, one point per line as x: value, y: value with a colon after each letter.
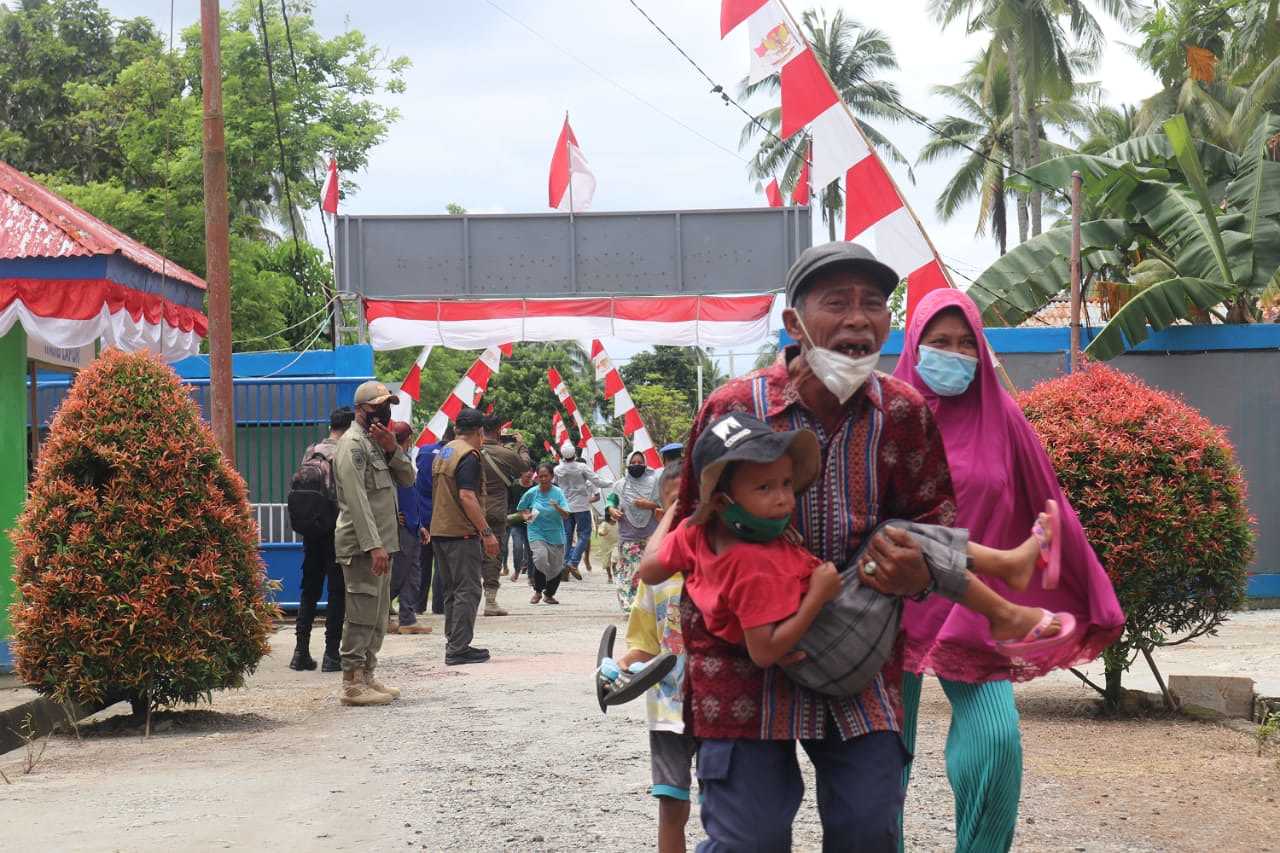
x: 461, y: 536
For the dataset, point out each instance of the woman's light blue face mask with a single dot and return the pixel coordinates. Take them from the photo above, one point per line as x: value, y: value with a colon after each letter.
x: 949, y: 374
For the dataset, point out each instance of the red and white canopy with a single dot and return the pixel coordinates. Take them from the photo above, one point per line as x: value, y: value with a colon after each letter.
x: 709, y: 321
x: 71, y: 279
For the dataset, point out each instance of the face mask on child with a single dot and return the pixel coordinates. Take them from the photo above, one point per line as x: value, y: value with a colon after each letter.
x: 949, y: 374
x: 752, y: 527
x: 842, y: 375
x: 637, y: 471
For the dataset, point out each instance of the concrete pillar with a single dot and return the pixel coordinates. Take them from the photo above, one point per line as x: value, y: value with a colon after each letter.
x: 13, y: 464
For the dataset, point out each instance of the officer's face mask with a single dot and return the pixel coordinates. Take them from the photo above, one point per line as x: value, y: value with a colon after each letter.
x: 379, y: 415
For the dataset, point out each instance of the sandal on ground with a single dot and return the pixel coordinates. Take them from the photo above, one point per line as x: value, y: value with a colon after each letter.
x: 537, y: 597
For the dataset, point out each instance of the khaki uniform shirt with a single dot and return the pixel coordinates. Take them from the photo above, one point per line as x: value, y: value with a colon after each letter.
x: 503, y: 466
x: 367, y: 481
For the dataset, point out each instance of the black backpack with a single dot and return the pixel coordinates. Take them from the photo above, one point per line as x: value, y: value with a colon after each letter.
x: 313, y: 497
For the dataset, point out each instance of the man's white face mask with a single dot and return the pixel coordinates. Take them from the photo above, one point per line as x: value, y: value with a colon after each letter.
x: 842, y: 375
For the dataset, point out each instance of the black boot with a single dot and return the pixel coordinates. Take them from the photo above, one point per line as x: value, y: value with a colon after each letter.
x: 331, y: 663
x: 302, y: 659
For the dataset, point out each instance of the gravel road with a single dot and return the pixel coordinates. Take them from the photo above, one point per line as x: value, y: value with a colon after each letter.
x: 514, y: 755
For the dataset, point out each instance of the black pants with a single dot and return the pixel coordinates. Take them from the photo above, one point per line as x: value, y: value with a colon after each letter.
x: 426, y: 559
x: 544, y: 586
x: 319, y: 561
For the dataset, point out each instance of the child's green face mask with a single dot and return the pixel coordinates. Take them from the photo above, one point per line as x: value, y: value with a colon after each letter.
x: 752, y: 528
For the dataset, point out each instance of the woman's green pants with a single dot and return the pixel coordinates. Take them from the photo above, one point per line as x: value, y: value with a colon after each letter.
x: 984, y: 759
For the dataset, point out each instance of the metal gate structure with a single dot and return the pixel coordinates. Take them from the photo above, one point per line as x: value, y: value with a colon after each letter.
x: 638, y: 253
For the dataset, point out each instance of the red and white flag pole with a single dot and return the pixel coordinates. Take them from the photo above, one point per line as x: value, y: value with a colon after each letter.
x: 623, y: 406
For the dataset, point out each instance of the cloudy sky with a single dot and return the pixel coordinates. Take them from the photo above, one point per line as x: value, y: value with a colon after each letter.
x: 485, y: 98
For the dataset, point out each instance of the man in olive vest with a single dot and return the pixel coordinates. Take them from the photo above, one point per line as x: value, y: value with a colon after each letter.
x: 460, y: 535
x: 367, y: 466
x: 503, y: 465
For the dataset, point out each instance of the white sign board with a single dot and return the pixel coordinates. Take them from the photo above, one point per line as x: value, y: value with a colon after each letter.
x: 58, y: 358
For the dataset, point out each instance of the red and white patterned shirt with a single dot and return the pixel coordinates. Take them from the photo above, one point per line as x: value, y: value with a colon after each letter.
x: 885, y: 460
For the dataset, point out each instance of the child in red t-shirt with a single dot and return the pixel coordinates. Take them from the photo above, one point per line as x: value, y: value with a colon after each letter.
x: 757, y: 587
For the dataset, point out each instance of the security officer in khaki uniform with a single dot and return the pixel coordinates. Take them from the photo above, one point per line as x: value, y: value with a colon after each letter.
x: 503, y: 466
x: 460, y: 535
x: 368, y: 465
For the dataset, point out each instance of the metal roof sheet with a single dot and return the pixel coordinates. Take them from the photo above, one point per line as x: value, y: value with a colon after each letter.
x: 37, y: 223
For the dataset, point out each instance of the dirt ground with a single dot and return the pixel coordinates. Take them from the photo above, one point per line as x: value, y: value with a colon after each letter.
x: 514, y: 755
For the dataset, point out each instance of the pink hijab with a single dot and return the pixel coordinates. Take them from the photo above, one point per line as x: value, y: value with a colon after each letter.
x: 1002, y: 478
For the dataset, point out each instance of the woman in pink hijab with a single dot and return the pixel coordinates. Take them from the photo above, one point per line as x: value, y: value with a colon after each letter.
x: 1002, y: 478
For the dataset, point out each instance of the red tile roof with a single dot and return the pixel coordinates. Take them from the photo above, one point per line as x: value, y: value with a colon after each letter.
x: 38, y: 223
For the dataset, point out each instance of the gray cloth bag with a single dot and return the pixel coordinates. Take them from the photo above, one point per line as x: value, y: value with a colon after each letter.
x: 854, y: 633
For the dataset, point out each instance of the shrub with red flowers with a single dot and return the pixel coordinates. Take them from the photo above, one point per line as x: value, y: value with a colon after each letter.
x: 1160, y: 493
x: 136, y: 555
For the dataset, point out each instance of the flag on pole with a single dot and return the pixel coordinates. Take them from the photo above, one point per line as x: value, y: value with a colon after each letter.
x: 412, y: 384
x: 874, y: 207
x: 774, y: 41
x: 623, y: 406
x: 773, y: 193
x: 329, y: 203
x: 800, y: 192
x: 466, y: 394
x: 571, y: 184
x: 558, y: 431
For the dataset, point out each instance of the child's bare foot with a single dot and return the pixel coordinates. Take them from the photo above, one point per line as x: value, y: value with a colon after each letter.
x: 1019, y: 564
x: 1016, y: 622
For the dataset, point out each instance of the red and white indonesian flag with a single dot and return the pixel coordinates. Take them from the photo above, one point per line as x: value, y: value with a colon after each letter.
x: 412, y: 384
x: 709, y: 321
x: 329, y: 197
x: 623, y: 406
x: 466, y: 394
x: 874, y: 208
x: 558, y: 430
x: 773, y: 193
x: 571, y: 179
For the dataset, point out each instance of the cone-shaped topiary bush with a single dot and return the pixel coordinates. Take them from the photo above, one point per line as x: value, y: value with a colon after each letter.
x: 137, y: 556
x: 1160, y: 493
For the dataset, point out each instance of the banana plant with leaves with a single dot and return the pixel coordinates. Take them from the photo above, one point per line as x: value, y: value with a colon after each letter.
x: 1191, y: 230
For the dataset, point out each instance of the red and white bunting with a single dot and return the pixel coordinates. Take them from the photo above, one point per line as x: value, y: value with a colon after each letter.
x: 561, y: 389
x: 558, y: 431
x: 412, y: 384
x: 623, y: 406
x: 709, y: 321
x: 466, y: 394
x: 839, y: 149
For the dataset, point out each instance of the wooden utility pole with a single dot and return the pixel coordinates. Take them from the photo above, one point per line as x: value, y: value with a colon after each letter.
x: 1075, y: 271
x: 216, y: 225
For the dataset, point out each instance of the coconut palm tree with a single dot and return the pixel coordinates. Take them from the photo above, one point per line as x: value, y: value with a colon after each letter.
x: 1105, y: 127
x: 1224, y: 101
x: 1044, y: 63
x: 983, y: 134
x: 853, y: 55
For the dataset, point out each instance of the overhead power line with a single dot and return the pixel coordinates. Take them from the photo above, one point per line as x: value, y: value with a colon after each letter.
x: 616, y: 84
x: 908, y: 114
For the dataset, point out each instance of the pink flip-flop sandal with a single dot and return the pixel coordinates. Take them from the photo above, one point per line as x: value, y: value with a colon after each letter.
x: 1051, y: 553
x: 1034, y: 642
